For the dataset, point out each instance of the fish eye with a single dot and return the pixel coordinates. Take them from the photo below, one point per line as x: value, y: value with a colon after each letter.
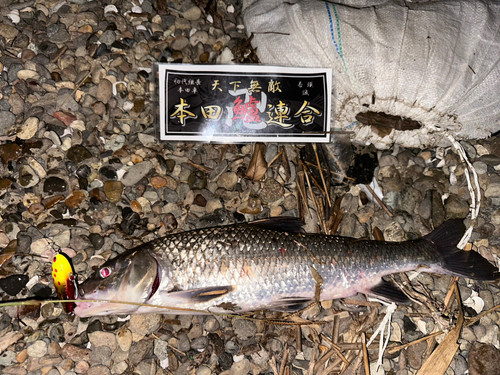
x: 105, y: 272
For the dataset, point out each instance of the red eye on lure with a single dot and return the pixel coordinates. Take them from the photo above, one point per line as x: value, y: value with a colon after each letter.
x: 65, y: 280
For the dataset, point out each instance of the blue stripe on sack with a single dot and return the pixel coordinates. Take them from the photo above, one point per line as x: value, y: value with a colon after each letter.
x: 338, y: 46
x: 331, y: 28
x: 338, y: 30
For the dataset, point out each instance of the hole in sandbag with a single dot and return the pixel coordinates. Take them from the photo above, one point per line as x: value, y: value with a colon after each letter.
x: 383, y: 123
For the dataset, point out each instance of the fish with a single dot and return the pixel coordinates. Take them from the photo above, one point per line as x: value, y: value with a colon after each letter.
x: 65, y: 281
x: 266, y: 265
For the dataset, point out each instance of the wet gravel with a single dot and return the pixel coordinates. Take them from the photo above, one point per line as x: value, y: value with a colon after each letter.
x: 81, y: 170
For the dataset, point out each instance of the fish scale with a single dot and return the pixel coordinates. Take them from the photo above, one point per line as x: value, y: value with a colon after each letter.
x: 263, y: 265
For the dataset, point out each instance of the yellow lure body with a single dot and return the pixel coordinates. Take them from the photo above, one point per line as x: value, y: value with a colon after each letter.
x: 64, y: 277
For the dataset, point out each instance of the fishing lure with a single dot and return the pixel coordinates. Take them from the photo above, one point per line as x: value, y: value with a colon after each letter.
x: 65, y: 280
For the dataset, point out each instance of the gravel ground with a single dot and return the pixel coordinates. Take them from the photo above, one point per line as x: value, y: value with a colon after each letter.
x: 81, y: 170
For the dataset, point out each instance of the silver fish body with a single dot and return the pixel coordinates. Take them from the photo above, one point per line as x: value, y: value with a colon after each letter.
x: 266, y: 265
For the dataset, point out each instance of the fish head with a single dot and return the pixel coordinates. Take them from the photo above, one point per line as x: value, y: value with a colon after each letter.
x: 131, y: 277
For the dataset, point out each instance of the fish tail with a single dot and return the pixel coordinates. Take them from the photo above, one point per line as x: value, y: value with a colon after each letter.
x: 458, y: 262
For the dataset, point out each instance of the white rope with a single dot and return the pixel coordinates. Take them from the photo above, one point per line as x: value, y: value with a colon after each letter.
x: 386, y: 322
x: 475, y: 191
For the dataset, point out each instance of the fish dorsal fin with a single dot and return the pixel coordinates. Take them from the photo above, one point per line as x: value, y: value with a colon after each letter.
x: 280, y: 224
x: 447, y: 236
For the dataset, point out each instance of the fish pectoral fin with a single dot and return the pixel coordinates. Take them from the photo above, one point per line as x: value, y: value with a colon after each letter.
x: 389, y: 291
x: 291, y: 304
x: 202, y: 294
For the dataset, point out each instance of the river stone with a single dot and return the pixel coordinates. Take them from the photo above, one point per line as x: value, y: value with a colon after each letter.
x: 179, y: 43
x: 203, y: 370
x: 27, y: 177
x: 7, y: 358
x: 101, y: 355
x: 25, y: 74
x: 7, y: 31
x: 227, y: 180
x: 29, y: 128
x: 244, y: 329
x: 493, y: 190
x: 143, y: 325
x: 108, y: 37
x: 146, y: 367
x: 66, y: 101
x: 272, y: 191
x: 54, y: 185
x: 98, y: 370
x: 115, y: 143
x: 104, y: 91
x: 240, y: 368
x: 7, y: 119
x: 100, y: 338
x: 108, y: 172
x: 394, y: 232
x: 197, y: 180
x: 218, y: 170
x: 38, y: 349
x: 480, y: 167
x: 415, y: 353
x: 78, y: 153
x: 182, y: 24
x: 113, y: 190
x: 75, y: 199
x: 198, y: 37
x: 17, y: 104
x: 484, y: 359
x: 192, y: 14
x: 456, y: 207
x: 140, y: 350
x: 136, y: 173
x: 13, y: 284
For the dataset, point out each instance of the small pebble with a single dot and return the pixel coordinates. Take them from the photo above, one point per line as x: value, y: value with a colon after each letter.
x: 13, y: 284
x: 38, y: 349
x: 483, y: 359
x: 227, y: 180
x: 240, y: 368
x: 100, y: 338
x: 29, y: 128
x: 244, y: 329
x: 192, y: 14
x: 124, y: 339
x: 135, y: 173
x: 144, y: 325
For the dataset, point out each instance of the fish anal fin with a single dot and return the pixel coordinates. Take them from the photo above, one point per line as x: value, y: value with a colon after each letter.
x: 203, y: 294
x: 388, y: 291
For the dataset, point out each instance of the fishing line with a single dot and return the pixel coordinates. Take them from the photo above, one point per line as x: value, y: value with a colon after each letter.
x: 33, y: 301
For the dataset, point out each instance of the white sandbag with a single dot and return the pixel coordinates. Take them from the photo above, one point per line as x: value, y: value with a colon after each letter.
x: 434, y: 62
